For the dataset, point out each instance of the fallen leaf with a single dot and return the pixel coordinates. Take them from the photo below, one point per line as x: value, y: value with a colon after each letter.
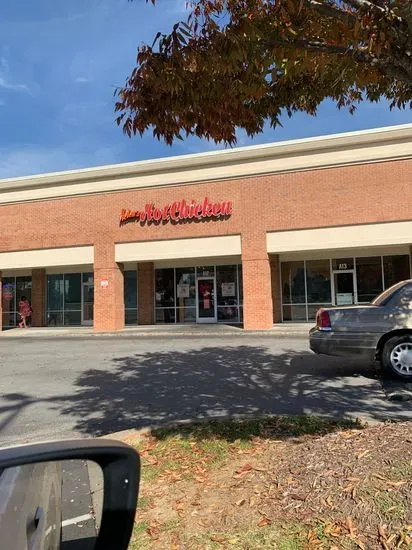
x: 379, y: 477
x: 363, y: 454
x: 241, y: 502
x: 246, y: 469
x: 260, y: 469
x: 396, y: 483
x: 351, y: 528
x: 252, y: 501
x: 200, y: 479
x: 297, y: 496
x: 220, y: 540
x: 263, y: 522
x: 233, y: 541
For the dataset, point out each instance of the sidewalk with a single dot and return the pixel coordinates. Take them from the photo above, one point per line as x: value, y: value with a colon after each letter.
x: 279, y: 330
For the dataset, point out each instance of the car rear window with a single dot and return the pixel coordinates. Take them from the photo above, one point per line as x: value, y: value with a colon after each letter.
x: 387, y: 294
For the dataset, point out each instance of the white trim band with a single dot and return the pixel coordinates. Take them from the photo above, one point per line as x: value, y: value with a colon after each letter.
x: 48, y: 257
x: 203, y: 247
x: 353, y: 236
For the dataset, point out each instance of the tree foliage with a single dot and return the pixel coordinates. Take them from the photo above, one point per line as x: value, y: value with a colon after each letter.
x: 239, y: 63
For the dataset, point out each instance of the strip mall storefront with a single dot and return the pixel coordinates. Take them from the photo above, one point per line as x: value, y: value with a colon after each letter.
x: 250, y: 236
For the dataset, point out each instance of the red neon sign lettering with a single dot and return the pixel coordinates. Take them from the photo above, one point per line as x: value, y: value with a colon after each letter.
x: 179, y: 211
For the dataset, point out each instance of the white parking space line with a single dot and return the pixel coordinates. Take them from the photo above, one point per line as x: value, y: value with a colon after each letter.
x: 79, y: 519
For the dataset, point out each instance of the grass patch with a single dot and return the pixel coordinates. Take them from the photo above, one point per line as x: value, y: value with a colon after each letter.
x: 245, y: 430
x: 144, y: 502
x: 389, y: 505
x: 188, y: 451
x: 140, y: 540
x: 269, y: 537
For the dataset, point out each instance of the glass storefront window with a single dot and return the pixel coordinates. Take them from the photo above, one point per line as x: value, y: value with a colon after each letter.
x: 165, y: 283
x: 240, y: 278
x: 293, y: 282
x: 186, y: 315
x: 130, y: 297
x: 186, y: 288
x: 226, y: 279
x: 395, y: 269
x: 361, y: 284
x: 13, y: 288
x: 318, y: 281
x: 369, y: 278
x: 72, y: 292
x: 228, y: 314
x: 176, y: 293
x: 55, y: 292
x: 165, y: 315
x: 72, y: 318
x: 70, y: 299
x: 294, y: 313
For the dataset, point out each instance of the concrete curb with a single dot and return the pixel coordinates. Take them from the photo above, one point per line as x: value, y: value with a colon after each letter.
x: 139, y: 433
x: 108, y: 335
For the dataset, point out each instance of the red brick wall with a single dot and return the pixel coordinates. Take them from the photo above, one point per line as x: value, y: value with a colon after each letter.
x: 145, y: 293
x: 367, y: 193
x: 38, y: 300
x: 275, y: 279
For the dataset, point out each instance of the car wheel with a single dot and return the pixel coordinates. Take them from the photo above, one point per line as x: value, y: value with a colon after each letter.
x: 397, y: 357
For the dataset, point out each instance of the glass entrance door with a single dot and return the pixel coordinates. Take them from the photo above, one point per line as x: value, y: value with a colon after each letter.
x: 344, y: 292
x: 87, y: 299
x: 206, y: 300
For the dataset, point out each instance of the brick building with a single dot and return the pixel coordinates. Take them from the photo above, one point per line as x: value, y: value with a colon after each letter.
x: 253, y: 235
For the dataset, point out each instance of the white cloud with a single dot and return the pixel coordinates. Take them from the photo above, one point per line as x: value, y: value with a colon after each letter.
x: 6, y: 81
x: 83, y: 80
x: 31, y: 159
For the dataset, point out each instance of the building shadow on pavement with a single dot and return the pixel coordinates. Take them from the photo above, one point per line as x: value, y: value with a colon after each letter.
x: 215, y: 382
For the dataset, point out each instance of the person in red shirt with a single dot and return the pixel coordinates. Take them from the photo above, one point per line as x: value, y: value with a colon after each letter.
x: 24, y: 311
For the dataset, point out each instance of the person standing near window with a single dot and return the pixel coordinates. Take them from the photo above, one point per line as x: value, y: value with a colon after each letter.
x: 24, y: 311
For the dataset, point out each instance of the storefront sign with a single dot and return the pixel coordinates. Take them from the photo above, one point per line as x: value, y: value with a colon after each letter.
x: 178, y: 211
x: 183, y: 291
x: 344, y: 299
x: 8, y: 292
x: 228, y: 290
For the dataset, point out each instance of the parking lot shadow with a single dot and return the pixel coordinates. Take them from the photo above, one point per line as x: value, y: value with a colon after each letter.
x: 157, y: 388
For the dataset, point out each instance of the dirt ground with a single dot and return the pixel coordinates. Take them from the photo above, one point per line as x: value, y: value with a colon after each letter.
x: 283, y: 482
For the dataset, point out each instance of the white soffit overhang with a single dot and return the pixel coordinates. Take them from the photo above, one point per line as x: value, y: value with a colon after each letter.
x: 354, y: 236
x: 380, y: 144
x: 203, y: 247
x: 48, y: 257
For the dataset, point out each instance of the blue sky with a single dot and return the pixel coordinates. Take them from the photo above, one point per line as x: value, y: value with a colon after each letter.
x: 59, y: 65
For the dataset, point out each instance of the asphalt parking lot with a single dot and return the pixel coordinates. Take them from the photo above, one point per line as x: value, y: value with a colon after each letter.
x: 53, y: 388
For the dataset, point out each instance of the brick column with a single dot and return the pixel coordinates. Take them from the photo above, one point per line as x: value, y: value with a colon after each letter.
x: 145, y: 293
x: 38, y: 297
x: 257, y: 285
x: 276, y: 297
x: 108, y: 289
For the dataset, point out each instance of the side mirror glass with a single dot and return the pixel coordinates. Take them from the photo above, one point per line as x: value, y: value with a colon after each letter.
x: 53, y: 497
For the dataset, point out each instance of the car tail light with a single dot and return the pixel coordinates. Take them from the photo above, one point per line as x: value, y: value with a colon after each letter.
x: 323, y: 320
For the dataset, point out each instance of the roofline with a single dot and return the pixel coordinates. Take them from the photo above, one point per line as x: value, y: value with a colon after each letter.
x: 304, y: 150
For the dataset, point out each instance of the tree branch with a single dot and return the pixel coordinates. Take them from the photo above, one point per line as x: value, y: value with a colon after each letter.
x: 365, y: 4
x: 320, y: 47
x: 329, y: 10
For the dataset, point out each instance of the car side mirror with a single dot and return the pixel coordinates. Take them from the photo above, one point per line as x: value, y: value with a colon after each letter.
x: 68, y: 495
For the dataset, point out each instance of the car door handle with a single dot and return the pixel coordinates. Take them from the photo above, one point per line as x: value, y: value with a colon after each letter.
x: 35, y: 531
